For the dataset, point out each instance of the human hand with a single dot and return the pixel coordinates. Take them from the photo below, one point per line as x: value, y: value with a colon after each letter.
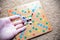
x: 9, y: 29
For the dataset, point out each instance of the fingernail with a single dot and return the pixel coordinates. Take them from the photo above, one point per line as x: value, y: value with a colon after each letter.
x: 23, y: 22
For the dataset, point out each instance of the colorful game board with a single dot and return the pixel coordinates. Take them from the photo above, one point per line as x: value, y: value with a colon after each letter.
x: 39, y: 23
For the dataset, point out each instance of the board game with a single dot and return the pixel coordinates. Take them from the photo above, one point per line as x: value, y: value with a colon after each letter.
x: 39, y: 23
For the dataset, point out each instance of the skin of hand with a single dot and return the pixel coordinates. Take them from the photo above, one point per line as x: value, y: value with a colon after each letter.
x: 8, y: 29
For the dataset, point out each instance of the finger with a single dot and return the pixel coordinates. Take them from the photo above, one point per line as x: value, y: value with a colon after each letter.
x: 21, y: 29
x: 17, y: 22
x: 14, y: 17
x: 19, y: 26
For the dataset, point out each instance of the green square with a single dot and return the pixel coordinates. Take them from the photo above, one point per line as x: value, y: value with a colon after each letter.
x: 25, y: 37
x: 43, y: 30
x: 46, y: 22
x: 32, y: 21
x: 38, y: 13
x: 36, y: 28
x: 32, y: 27
x: 40, y: 18
x: 30, y: 31
x: 37, y: 16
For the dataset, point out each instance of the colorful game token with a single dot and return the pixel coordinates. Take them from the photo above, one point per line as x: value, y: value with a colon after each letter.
x: 40, y: 18
x: 36, y: 28
x: 46, y: 22
x: 33, y: 16
x: 23, y: 11
x: 9, y: 11
x: 25, y: 37
x: 14, y: 13
x: 43, y: 30
x: 30, y: 31
x: 33, y: 27
x: 33, y: 10
x: 32, y: 21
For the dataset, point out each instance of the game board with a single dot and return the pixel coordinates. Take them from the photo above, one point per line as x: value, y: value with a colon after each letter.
x: 39, y: 23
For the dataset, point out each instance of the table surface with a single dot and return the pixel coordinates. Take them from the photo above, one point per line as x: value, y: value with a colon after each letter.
x: 52, y: 8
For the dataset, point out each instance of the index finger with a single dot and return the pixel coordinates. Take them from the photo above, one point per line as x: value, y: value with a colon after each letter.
x: 14, y: 17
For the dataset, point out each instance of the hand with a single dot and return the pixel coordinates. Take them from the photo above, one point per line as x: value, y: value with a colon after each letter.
x: 9, y: 29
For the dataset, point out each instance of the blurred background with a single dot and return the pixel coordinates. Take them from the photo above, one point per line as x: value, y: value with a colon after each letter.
x: 52, y: 8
